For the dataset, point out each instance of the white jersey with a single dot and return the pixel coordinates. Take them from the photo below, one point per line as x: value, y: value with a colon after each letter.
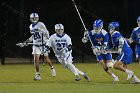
x: 58, y: 43
x: 38, y: 30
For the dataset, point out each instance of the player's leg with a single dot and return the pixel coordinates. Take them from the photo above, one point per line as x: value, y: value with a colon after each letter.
x: 36, y: 64
x: 83, y: 74
x: 121, y: 62
x: 102, y: 62
x: 36, y: 54
x: 48, y: 60
x: 138, y: 55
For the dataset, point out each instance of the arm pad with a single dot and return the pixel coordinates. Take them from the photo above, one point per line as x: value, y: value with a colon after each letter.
x: 69, y: 47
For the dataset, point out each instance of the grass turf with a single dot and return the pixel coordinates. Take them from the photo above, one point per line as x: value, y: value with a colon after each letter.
x: 18, y: 78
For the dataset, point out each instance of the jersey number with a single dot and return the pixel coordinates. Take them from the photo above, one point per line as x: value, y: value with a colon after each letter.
x: 60, y: 46
x: 36, y: 35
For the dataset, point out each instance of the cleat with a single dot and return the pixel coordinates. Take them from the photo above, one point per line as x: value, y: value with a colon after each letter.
x: 135, y: 80
x: 130, y: 75
x: 86, y: 77
x: 115, y: 78
x: 37, y: 77
x: 53, y: 72
x: 78, y: 78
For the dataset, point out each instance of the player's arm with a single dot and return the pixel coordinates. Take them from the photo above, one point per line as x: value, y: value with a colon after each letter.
x: 132, y: 37
x: 69, y: 44
x: 121, y: 43
x: 29, y: 40
x: 86, y: 36
x: 44, y: 30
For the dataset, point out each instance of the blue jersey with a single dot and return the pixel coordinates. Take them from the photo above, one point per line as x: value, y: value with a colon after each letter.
x: 99, y: 39
x: 136, y: 37
x: 126, y: 55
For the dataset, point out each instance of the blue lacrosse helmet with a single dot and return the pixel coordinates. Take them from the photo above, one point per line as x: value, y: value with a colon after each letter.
x: 138, y: 19
x: 98, y: 23
x: 113, y: 25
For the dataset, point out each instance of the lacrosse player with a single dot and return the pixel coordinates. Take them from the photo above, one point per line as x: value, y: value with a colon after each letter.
x: 135, y: 36
x: 100, y: 38
x: 124, y: 50
x: 38, y: 32
x: 61, y: 44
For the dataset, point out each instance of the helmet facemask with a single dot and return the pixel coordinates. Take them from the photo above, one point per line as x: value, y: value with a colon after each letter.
x: 98, y: 29
x: 138, y: 22
x: 34, y: 17
x: 59, y: 29
x: 111, y: 29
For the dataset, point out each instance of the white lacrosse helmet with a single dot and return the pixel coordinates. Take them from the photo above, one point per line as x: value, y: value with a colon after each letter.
x: 34, y: 17
x: 59, y: 29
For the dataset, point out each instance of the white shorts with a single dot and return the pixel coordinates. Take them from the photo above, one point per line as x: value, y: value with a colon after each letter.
x: 67, y: 58
x: 38, y: 50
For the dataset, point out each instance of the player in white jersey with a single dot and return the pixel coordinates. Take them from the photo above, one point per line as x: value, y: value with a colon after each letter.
x: 39, y: 37
x: 61, y: 44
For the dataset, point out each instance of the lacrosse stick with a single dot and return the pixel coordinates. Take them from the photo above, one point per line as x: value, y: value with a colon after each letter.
x: 112, y: 52
x: 82, y: 23
x: 23, y: 44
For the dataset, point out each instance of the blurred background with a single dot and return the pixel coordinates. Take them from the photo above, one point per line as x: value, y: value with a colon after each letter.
x: 14, y: 23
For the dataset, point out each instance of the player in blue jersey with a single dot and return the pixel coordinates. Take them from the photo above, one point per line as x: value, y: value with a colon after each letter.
x: 100, y: 38
x: 135, y: 36
x: 124, y: 50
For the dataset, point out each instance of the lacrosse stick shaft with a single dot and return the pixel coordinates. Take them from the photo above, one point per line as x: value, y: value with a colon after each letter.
x: 79, y: 14
x: 82, y: 22
x: 113, y: 52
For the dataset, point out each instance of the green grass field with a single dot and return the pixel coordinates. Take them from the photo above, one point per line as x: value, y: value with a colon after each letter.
x: 18, y: 78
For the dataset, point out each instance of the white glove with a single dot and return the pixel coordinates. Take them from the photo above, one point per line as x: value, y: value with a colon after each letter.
x: 84, y: 40
x: 86, y: 33
x: 104, y: 51
x: 63, y: 51
x: 119, y: 50
x: 96, y: 51
x: 20, y: 44
x: 130, y: 40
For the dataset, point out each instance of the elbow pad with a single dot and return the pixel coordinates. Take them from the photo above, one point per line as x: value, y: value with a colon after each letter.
x: 121, y: 42
x: 69, y: 47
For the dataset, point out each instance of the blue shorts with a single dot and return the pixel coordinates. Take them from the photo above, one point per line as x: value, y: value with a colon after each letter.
x: 104, y: 57
x: 125, y: 57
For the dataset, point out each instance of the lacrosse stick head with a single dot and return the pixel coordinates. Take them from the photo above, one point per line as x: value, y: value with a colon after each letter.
x: 20, y: 44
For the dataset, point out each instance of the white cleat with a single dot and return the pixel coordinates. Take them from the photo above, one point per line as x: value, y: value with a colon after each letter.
x: 78, y: 78
x: 135, y: 80
x: 130, y: 75
x: 37, y: 77
x: 53, y: 72
x: 115, y: 78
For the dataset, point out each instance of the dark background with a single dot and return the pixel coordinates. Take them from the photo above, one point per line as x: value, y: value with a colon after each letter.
x: 14, y: 21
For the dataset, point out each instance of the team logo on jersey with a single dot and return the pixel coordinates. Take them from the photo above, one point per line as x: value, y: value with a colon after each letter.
x: 60, y: 40
x: 99, y: 39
